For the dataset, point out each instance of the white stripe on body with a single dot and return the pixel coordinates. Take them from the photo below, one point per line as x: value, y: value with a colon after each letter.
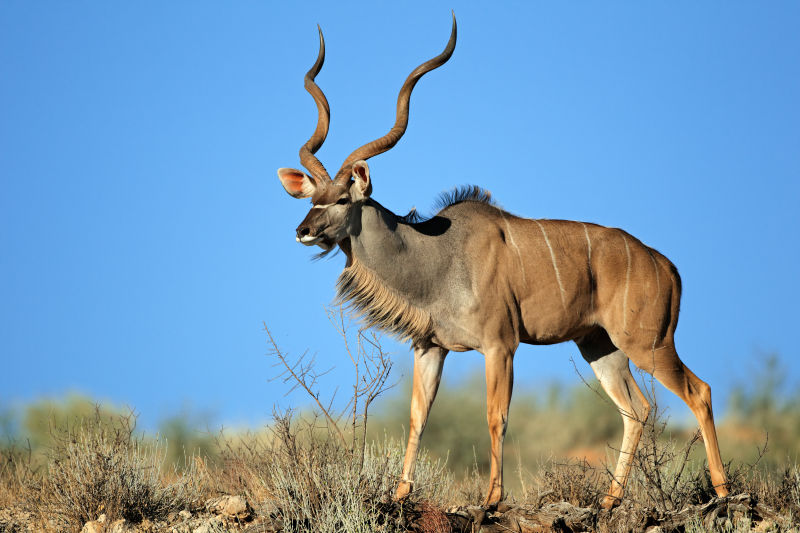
x: 589, y: 261
x: 516, y: 248
x: 555, y: 266
x: 627, y: 284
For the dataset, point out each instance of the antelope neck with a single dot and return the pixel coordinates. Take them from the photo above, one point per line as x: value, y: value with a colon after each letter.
x: 397, y: 253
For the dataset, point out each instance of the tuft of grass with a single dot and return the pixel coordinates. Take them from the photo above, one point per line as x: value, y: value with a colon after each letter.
x: 779, y: 490
x: 100, y: 467
x: 470, y: 489
x: 16, y: 471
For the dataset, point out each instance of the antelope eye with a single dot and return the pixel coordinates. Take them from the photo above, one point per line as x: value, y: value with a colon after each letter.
x: 343, y: 200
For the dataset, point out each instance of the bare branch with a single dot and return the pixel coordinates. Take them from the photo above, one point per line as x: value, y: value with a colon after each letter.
x: 301, y: 376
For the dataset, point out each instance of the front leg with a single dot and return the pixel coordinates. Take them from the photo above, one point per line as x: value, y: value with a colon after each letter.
x: 428, y: 363
x: 499, y: 383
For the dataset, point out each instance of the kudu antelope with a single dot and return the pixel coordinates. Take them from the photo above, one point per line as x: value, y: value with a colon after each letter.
x: 475, y: 277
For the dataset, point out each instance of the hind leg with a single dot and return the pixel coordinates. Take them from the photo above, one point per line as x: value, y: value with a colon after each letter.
x: 665, y: 365
x: 611, y: 367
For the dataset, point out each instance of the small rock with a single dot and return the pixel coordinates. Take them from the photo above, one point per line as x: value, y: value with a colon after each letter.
x: 121, y: 526
x: 230, y: 506
x: 209, y: 526
x: 477, y: 514
x: 185, y: 515
x: 268, y: 525
x: 764, y: 526
x: 92, y: 527
x: 95, y: 526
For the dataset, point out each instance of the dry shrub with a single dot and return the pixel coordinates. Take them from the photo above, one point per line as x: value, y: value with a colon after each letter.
x: 780, y: 490
x: 576, y: 482
x: 663, y: 476
x: 320, y: 472
x: 99, y: 467
x: 666, y: 478
x: 790, y: 489
x: 304, y: 476
x: 16, y: 471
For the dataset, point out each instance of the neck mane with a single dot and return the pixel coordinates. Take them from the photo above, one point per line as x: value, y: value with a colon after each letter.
x: 379, y: 305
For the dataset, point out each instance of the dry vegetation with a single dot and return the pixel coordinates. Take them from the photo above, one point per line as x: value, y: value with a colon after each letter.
x: 100, y: 466
x: 334, y: 470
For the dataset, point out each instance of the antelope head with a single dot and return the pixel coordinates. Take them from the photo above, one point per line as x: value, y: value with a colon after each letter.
x: 336, y: 201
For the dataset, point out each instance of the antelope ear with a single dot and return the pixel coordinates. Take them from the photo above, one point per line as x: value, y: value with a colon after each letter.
x: 361, y: 180
x: 297, y: 183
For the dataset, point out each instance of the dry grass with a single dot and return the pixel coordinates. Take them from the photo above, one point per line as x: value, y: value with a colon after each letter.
x: 576, y: 482
x: 16, y: 472
x: 324, y: 471
x: 99, y: 468
x: 303, y: 476
x: 320, y: 472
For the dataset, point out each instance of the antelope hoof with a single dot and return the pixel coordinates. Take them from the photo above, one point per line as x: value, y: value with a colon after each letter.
x: 404, y: 488
x: 609, y: 502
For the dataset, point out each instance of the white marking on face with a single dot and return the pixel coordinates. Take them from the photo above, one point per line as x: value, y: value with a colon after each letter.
x: 321, y: 206
x: 308, y: 239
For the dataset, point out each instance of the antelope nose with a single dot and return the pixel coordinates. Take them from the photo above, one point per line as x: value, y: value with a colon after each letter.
x: 303, y: 231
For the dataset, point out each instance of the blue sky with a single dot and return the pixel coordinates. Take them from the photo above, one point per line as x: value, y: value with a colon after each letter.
x: 145, y: 236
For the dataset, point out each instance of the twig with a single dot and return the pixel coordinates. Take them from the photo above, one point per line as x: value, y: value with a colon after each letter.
x: 300, y: 380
